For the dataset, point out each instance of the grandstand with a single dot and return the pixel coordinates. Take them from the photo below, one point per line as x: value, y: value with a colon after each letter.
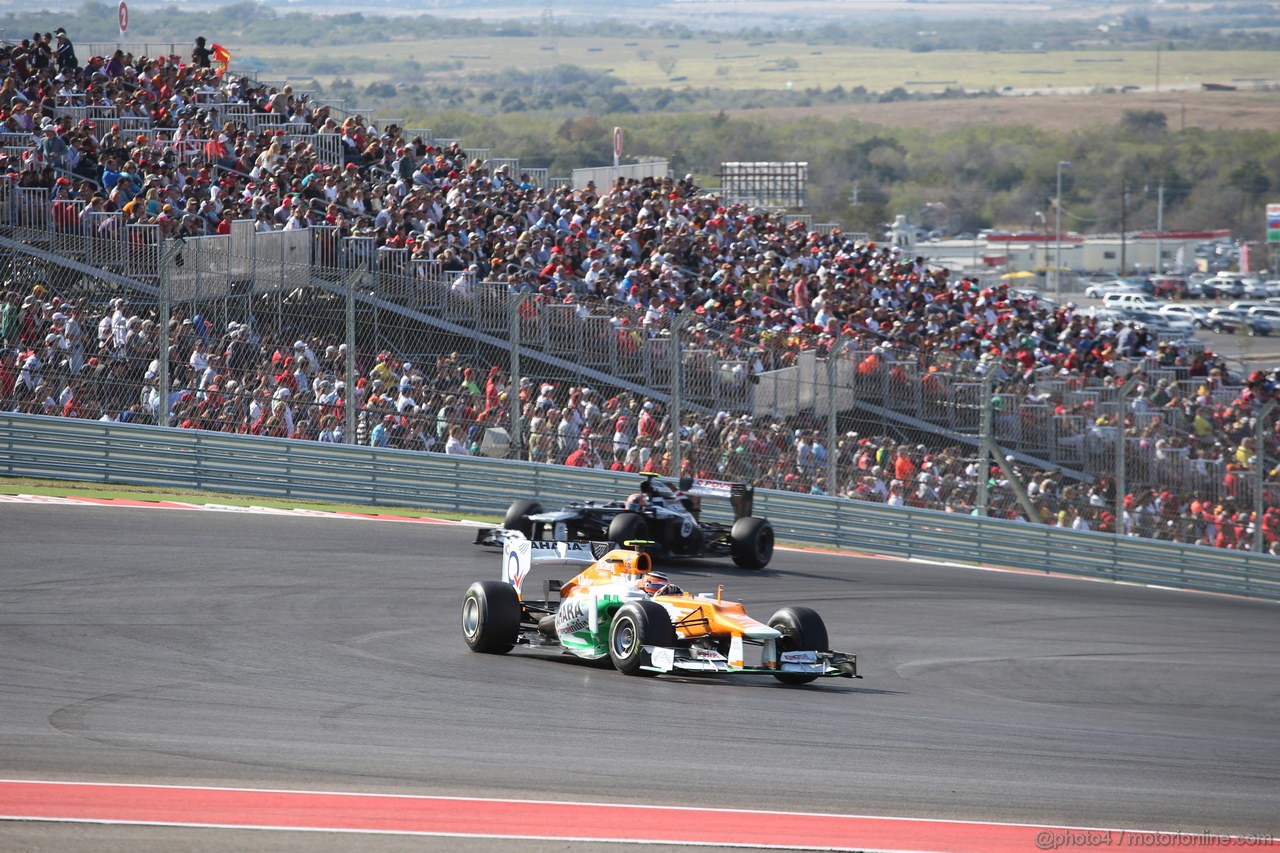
x: 203, y: 250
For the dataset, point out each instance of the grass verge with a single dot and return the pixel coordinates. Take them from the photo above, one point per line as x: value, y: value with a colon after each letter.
x: 68, y: 488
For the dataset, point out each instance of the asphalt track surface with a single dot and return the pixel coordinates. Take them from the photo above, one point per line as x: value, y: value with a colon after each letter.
x: 248, y: 651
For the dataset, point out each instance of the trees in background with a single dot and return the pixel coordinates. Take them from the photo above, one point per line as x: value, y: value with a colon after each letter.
x: 976, y: 177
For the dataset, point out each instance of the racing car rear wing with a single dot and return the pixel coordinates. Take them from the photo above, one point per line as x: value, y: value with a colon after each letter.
x: 741, y: 495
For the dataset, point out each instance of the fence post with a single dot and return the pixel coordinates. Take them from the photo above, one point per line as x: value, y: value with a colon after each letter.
x: 513, y: 379
x: 1260, y: 474
x: 675, y: 354
x: 985, y: 438
x: 1122, y: 473
x: 350, y: 401
x: 833, y: 412
x: 167, y: 258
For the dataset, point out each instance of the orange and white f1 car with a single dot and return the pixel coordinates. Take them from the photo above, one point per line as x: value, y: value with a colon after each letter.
x: 618, y: 607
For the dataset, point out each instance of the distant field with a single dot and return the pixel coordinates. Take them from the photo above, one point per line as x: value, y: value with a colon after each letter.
x: 737, y: 64
x: 1217, y: 111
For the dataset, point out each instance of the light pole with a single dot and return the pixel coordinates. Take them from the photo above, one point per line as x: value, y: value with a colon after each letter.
x: 1057, y: 233
x: 1044, y: 229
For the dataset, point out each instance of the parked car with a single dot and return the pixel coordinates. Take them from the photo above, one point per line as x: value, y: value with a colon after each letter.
x: 1254, y: 288
x: 1231, y: 320
x: 1196, y: 315
x: 1100, y: 289
x: 1170, y: 287
x: 1233, y: 285
x: 1142, y: 282
x: 1162, y: 326
x: 1222, y: 288
x: 1131, y: 300
x: 1243, y: 305
x: 1270, y: 313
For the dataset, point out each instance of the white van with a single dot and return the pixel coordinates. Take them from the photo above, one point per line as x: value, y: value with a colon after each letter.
x: 1131, y: 300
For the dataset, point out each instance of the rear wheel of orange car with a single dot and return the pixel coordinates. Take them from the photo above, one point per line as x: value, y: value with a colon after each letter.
x: 636, y: 625
x: 491, y: 617
x: 802, y: 630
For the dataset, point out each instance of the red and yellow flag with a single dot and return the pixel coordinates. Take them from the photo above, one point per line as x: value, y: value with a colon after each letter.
x: 222, y: 57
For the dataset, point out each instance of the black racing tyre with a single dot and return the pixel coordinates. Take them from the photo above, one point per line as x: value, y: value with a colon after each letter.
x: 802, y: 630
x: 689, y: 546
x: 491, y: 617
x: 627, y: 526
x: 518, y: 516
x: 751, y: 542
x: 636, y: 625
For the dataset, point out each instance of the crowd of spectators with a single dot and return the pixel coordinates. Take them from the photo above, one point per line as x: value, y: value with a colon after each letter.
x: 642, y: 251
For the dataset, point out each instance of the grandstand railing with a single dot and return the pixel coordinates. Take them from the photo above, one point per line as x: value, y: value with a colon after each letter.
x: 306, y: 472
x: 604, y: 176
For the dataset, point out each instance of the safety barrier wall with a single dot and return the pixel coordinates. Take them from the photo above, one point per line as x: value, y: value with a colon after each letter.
x: 111, y: 453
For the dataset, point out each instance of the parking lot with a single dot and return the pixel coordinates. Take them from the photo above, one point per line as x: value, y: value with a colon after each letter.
x: 1259, y: 353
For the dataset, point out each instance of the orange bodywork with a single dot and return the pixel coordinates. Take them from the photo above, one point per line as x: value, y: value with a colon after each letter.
x: 617, y: 566
x: 700, y: 617
x: 693, y: 616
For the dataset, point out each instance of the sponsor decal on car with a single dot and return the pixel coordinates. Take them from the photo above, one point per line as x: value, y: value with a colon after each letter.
x: 799, y: 657
x: 547, y: 545
x: 572, y: 617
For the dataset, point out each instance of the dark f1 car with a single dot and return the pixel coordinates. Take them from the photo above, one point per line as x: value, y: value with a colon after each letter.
x: 665, y: 514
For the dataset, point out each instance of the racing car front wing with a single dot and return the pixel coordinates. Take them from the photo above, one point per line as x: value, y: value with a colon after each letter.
x: 827, y: 664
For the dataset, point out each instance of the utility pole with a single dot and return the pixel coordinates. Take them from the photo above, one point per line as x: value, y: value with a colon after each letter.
x: 544, y: 76
x: 1160, y: 229
x: 1124, y: 209
x: 1057, y: 230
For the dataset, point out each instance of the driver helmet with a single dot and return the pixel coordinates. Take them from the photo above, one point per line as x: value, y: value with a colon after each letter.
x: 654, y: 582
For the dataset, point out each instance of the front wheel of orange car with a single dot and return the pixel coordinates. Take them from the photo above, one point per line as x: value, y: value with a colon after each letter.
x: 636, y: 625
x: 802, y: 630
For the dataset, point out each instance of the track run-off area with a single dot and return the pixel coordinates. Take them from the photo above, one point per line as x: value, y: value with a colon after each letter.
x: 183, y: 676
